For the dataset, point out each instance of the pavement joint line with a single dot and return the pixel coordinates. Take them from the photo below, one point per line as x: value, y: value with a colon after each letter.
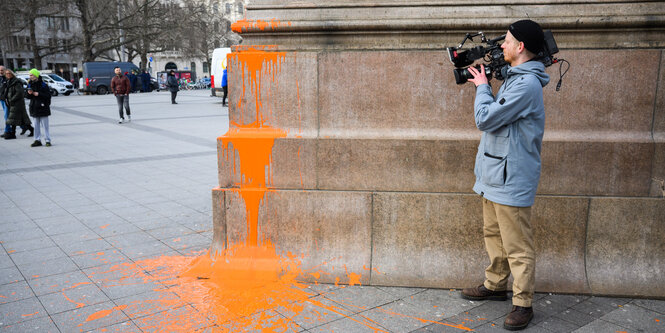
x: 169, y: 134
x: 104, y: 162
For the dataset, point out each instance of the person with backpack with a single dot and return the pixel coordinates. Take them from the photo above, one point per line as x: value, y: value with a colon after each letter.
x: 40, y: 107
x: 16, y: 105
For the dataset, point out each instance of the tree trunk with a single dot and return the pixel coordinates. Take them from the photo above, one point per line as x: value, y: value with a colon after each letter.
x: 88, y: 55
x: 37, y: 58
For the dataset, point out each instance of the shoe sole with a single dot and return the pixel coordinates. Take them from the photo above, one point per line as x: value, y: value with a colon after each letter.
x: 482, y: 298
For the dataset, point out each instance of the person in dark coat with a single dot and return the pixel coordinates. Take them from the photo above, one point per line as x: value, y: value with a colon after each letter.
x: 18, y: 116
x: 172, y: 83
x: 132, y: 81
x: 5, y: 109
x: 145, y: 80
x: 40, y: 107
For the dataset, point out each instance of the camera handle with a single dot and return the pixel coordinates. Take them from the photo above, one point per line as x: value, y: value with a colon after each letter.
x: 470, y: 37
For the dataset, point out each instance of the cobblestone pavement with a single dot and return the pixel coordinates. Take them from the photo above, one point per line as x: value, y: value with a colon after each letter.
x: 108, y: 193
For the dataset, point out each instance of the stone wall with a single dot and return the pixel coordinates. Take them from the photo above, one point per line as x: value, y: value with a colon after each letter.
x: 376, y: 170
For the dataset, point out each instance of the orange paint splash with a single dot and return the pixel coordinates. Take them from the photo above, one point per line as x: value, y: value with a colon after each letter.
x: 104, y: 313
x: 104, y: 226
x: 29, y: 314
x: 243, y: 25
x: 78, y: 304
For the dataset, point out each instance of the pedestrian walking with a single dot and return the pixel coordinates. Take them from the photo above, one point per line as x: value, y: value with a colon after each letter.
x: 5, y: 109
x: 15, y: 100
x: 225, y: 87
x: 508, y: 169
x: 172, y: 83
x: 120, y: 87
x: 40, y: 107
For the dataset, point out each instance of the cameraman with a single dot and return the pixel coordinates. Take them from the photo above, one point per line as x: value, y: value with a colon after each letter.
x: 508, y: 169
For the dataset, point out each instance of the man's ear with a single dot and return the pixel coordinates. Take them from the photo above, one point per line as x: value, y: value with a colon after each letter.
x: 521, y: 48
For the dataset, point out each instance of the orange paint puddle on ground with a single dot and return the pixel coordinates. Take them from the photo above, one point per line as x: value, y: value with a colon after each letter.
x: 104, y: 226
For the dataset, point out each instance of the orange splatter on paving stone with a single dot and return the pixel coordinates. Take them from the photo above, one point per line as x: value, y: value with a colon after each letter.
x: 12, y: 251
x: 78, y: 304
x: 104, y: 313
x: 104, y: 226
x: 30, y: 314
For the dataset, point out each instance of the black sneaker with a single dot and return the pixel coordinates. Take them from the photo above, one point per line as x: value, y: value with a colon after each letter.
x: 9, y: 136
x: 48, y: 144
x: 36, y: 144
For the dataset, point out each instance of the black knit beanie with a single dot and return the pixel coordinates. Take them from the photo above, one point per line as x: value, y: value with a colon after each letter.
x: 530, y: 33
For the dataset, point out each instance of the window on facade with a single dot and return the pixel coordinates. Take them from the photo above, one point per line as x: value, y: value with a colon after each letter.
x: 228, y: 8
x: 205, y: 67
x: 240, y: 8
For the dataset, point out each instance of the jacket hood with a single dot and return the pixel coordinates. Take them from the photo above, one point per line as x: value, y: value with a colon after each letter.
x: 533, y: 67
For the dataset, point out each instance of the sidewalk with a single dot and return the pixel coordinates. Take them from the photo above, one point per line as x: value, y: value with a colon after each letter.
x: 108, y: 193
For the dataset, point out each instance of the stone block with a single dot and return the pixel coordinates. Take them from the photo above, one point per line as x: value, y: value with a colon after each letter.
x: 596, y: 168
x: 559, y: 225
x: 393, y: 94
x: 625, y: 248
x: 218, y: 221
x: 288, y: 93
x: 396, y: 165
x: 619, y: 100
x: 658, y: 172
x: 436, y: 240
x: 293, y: 165
x: 427, y: 240
x: 331, y: 230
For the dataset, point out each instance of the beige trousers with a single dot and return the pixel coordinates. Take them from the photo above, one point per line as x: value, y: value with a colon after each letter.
x: 509, y: 243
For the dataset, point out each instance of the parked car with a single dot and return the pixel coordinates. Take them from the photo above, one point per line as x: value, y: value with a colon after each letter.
x: 56, y: 87
x: 58, y: 80
x: 98, y: 75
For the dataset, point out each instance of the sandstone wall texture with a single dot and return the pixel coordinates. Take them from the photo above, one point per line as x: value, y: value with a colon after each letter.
x: 376, y: 170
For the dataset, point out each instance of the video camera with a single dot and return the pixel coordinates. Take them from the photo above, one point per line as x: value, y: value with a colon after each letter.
x: 493, y: 55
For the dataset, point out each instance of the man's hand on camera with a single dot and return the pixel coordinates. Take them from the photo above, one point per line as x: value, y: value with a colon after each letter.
x: 478, y: 77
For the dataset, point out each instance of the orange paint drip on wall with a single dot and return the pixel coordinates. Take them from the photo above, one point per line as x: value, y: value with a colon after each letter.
x: 244, y: 25
x: 253, y: 62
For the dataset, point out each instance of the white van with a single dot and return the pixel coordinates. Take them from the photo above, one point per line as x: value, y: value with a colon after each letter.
x: 217, y: 70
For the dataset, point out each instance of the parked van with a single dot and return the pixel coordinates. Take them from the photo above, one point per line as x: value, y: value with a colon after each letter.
x: 56, y: 86
x: 98, y: 74
x: 217, y: 70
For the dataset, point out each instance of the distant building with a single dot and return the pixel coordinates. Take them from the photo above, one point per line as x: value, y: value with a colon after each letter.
x: 59, y: 31
x: 233, y: 10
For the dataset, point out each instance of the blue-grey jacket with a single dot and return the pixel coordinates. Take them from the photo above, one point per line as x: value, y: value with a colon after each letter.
x: 508, y: 159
